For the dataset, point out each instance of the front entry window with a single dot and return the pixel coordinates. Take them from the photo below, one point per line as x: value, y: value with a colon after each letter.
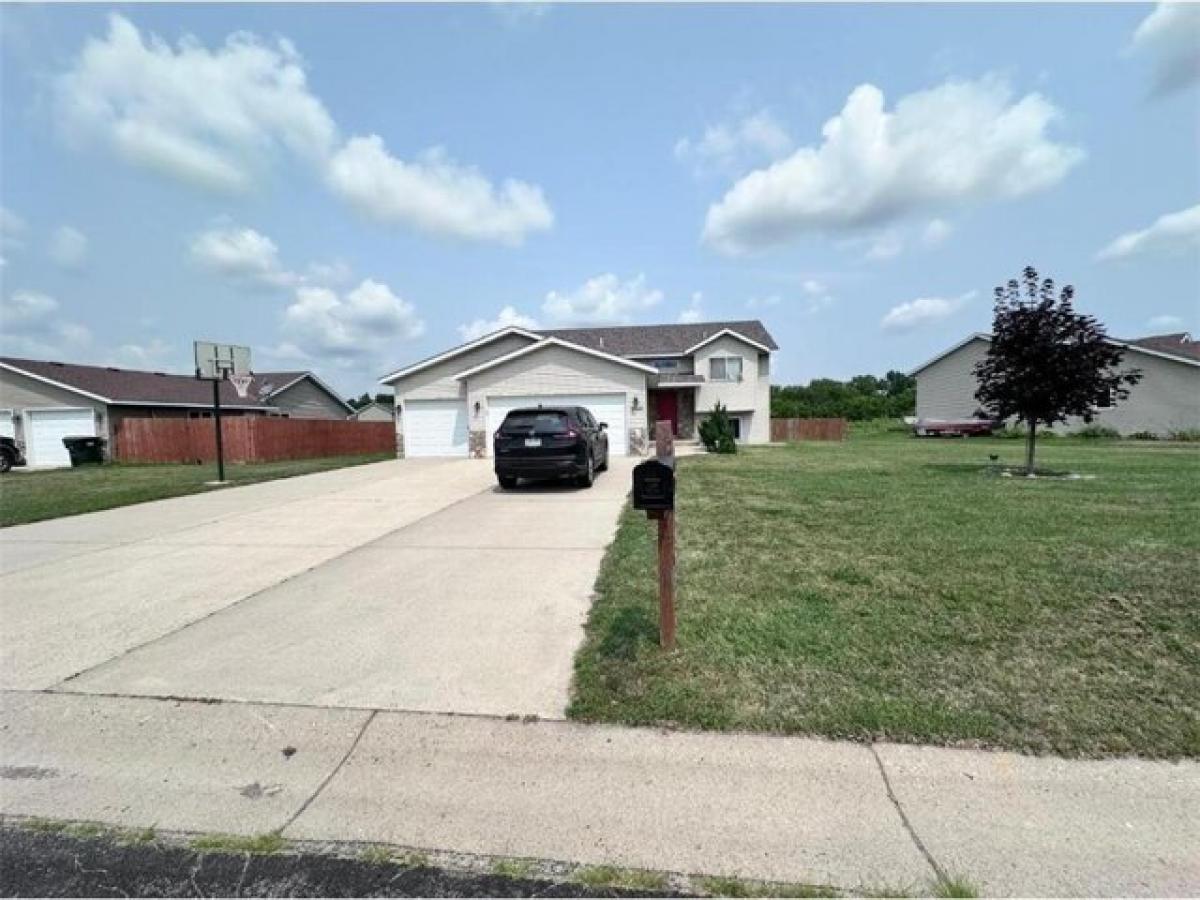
x: 725, y: 368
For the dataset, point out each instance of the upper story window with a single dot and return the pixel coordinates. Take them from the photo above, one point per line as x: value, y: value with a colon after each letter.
x: 665, y: 364
x: 725, y: 368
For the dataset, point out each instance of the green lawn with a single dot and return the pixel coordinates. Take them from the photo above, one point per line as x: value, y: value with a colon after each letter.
x: 33, y: 496
x: 900, y: 589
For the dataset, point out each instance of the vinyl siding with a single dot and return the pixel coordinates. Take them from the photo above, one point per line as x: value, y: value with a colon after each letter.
x: 19, y: 392
x: 437, y: 382
x: 558, y: 370
x: 1166, y: 399
x: 946, y: 389
x: 750, y: 398
x: 306, y: 400
x: 374, y: 413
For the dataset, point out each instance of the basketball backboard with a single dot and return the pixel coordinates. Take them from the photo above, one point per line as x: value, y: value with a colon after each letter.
x: 217, y: 361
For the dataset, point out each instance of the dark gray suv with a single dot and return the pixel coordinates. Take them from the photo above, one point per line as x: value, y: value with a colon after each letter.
x: 550, y: 442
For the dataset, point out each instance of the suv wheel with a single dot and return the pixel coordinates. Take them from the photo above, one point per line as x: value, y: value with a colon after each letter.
x: 508, y: 482
x: 5, y: 461
x: 588, y: 477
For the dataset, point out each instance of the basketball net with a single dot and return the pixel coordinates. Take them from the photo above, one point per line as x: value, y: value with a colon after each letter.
x: 241, y: 384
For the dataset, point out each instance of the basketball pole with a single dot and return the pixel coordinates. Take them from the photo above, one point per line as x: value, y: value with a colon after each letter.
x: 216, y: 383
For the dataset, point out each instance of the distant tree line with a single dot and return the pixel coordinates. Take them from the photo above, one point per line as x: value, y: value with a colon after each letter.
x: 862, y: 397
x: 366, y: 400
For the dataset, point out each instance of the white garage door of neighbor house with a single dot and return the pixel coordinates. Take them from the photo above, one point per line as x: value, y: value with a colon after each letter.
x: 607, y: 408
x: 45, y: 429
x: 6, y: 424
x: 435, y: 428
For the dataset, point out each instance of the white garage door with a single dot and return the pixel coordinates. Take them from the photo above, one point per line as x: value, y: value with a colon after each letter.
x: 6, y: 424
x: 608, y: 408
x: 45, y: 429
x: 435, y: 428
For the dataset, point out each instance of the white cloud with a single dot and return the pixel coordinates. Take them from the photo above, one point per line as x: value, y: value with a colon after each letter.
x: 1170, y: 36
x: 241, y: 254
x: 152, y: 355
x: 12, y: 229
x: 1165, y: 323
x: 885, y: 246
x: 961, y: 142
x: 694, y: 311
x: 754, y: 139
x: 209, y: 117
x: 31, y: 324
x: 763, y: 302
x: 508, y: 318
x: 435, y: 194
x: 936, y: 231
x: 604, y: 299
x: 350, y: 328
x: 520, y: 12
x: 68, y: 248
x: 1176, y: 232
x: 219, y: 118
x: 923, y: 311
x: 812, y: 287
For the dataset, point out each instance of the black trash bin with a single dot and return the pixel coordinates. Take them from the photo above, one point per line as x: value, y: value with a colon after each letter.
x: 84, y: 450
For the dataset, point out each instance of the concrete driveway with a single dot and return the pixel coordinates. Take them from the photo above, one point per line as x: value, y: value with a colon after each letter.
x: 402, y: 585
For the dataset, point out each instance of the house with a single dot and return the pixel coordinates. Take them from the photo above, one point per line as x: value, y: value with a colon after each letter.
x: 1167, y: 398
x: 299, y: 395
x: 42, y: 402
x: 374, y: 412
x: 627, y: 376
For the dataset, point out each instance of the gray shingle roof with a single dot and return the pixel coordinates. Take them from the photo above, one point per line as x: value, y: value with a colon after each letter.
x: 646, y: 340
x: 133, y: 387
x: 1180, y: 344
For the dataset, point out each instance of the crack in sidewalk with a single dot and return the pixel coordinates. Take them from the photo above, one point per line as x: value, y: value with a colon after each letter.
x: 938, y: 871
x: 328, y: 778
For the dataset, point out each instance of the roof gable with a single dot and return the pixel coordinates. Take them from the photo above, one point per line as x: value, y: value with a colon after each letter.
x: 271, y: 384
x: 662, y: 340
x: 1186, y: 352
x: 555, y: 342
x: 457, y: 351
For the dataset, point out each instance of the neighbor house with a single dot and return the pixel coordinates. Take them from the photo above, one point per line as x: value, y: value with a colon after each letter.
x: 1166, y: 400
x: 627, y: 376
x: 374, y: 412
x: 42, y: 402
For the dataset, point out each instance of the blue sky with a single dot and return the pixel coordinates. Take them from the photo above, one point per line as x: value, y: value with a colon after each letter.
x: 350, y: 188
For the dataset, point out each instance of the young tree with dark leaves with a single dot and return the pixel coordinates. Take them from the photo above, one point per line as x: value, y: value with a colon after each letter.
x: 1046, y: 361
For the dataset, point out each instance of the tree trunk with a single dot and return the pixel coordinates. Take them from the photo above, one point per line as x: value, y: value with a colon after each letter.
x: 1030, y: 443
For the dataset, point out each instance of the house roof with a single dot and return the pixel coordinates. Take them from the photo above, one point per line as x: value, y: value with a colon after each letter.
x: 660, y: 340
x: 1179, y: 347
x: 131, y: 386
x: 1177, y: 344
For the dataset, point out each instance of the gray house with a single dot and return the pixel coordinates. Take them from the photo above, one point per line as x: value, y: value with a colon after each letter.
x: 41, y: 402
x: 1167, y: 398
x: 627, y: 376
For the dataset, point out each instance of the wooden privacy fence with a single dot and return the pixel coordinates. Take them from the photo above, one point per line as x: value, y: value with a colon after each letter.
x: 248, y: 439
x: 808, y: 429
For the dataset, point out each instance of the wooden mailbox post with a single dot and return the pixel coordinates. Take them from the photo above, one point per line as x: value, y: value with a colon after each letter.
x: 654, y: 491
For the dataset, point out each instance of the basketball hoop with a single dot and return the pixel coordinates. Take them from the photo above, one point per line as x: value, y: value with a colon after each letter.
x: 241, y: 384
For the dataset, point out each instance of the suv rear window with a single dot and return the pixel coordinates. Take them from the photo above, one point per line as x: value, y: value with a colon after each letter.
x: 536, y: 422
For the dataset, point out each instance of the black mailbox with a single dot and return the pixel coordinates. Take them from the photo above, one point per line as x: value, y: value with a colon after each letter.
x: 654, y: 484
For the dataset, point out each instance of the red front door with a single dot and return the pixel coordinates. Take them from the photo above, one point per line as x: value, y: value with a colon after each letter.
x: 667, y: 409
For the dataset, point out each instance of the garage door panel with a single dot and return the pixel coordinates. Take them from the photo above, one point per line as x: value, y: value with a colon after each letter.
x: 607, y: 408
x: 46, y: 428
x: 435, y: 428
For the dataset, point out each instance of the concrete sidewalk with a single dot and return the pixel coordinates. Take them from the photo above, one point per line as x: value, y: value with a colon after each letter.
x: 787, y: 809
